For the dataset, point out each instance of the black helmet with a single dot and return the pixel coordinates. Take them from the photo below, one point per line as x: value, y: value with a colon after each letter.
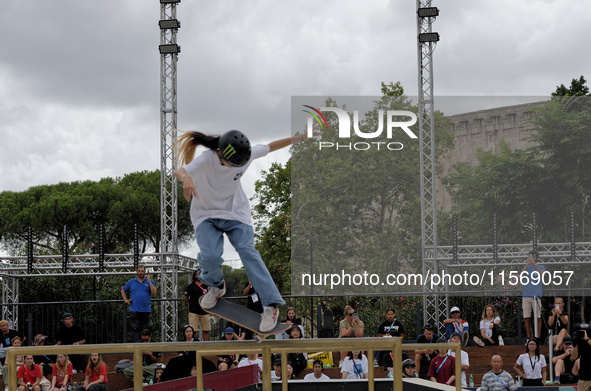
x: 408, y: 363
x: 159, y: 366
x: 234, y: 148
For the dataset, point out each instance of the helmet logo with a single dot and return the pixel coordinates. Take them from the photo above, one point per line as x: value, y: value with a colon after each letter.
x: 228, y: 152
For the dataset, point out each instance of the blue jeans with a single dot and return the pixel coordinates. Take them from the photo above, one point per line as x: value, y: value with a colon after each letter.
x: 210, y: 239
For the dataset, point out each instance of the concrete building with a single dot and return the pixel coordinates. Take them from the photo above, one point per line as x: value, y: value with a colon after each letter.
x: 482, y: 129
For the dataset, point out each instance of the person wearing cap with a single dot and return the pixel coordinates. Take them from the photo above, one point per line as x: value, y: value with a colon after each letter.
x: 211, y: 182
x: 456, y: 325
x: 141, y: 289
x: 563, y: 365
x: 198, y: 317
x: 71, y: 334
x: 409, y: 369
x: 230, y: 334
x: 317, y: 368
x: 276, y: 372
x: 46, y: 362
x: 229, y: 360
x: 443, y: 367
x: 149, y: 359
x: 464, y: 359
x: 158, y: 369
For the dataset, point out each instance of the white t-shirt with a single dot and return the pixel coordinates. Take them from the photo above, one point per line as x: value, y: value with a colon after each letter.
x: 532, y: 366
x: 485, y: 324
x: 310, y: 376
x: 246, y: 362
x: 464, y: 361
x: 219, y: 189
x: 355, y: 368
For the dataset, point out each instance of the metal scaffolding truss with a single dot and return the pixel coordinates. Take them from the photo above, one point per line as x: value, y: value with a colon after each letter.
x: 514, y: 254
x: 168, y: 185
x: 87, y: 264
x: 12, y: 269
x: 427, y: 158
x: 440, y: 258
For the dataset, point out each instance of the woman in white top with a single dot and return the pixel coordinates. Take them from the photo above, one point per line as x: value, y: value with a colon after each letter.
x: 490, y: 328
x: 531, y: 366
x: 355, y: 366
x: 211, y: 182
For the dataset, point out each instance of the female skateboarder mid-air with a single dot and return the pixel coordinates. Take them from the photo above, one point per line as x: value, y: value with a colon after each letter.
x: 211, y: 182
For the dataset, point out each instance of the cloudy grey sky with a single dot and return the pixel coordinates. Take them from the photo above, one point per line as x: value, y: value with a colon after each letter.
x: 79, y: 91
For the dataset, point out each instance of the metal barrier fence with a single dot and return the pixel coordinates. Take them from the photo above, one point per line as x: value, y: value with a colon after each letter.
x: 106, y: 321
x: 266, y: 347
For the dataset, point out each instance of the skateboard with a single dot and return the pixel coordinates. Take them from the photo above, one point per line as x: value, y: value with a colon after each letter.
x: 244, y: 317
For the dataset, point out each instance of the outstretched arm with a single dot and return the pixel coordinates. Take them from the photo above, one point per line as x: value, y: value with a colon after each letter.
x: 284, y: 142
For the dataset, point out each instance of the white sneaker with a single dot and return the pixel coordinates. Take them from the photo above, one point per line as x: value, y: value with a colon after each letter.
x: 478, y: 341
x: 501, y: 342
x: 269, y: 318
x: 209, y: 299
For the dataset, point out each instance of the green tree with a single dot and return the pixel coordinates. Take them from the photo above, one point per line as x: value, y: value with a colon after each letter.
x: 357, y: 210
x: 506, y: 184
x: 577, y: 88
x: 563, y: 143
x: 117, y: 204
x: 272, y: 215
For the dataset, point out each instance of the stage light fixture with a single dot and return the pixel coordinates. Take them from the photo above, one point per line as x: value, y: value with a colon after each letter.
x: 428, y: 12
x: 169, y: 49
x: 429, y: 37
x: 169, y: 24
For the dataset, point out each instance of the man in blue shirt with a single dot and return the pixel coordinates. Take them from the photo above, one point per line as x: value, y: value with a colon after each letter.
x: 141, y: 290
x: 532, y: 292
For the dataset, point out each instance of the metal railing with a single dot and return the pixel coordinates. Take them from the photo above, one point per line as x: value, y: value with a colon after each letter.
x: 106, y: 321
x: 266, y: 347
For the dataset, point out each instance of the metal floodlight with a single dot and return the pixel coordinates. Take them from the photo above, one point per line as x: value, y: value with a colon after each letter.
x: 169, y: 24
x: 428, y: 12
x: 170, y: 1
x: 429, y: 37
x: 169, y: 49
